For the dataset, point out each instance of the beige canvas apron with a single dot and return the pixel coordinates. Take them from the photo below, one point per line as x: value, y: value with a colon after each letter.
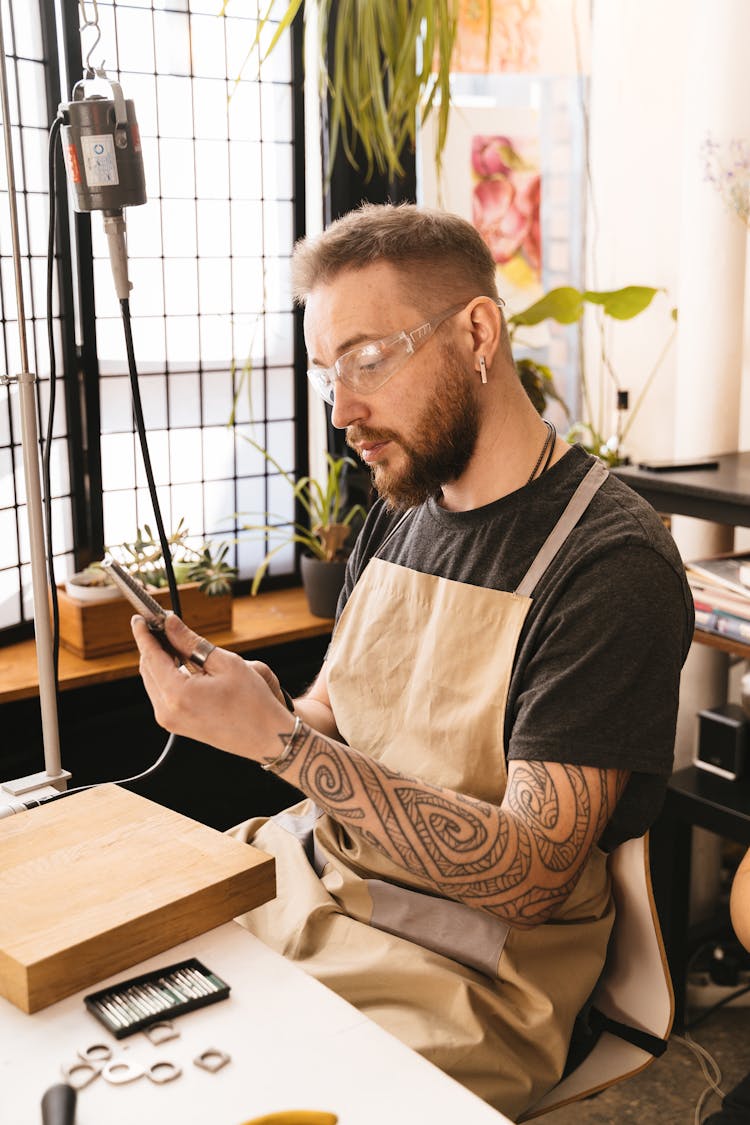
x: 418, y: 675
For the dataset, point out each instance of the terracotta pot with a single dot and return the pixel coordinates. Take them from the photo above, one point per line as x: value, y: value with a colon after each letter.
x: 323, y: 582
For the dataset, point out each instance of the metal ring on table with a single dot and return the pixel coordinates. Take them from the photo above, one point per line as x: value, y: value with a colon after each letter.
x: 212, y: 1059
x: 201, y: 653
x: 96, y: 1053
x: 163, y: 1071
x: 80, y: 1074
x: 161, y: 1032
x: 120, y: 1070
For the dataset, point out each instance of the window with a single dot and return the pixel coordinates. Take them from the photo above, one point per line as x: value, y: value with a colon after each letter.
x: 214, y: 331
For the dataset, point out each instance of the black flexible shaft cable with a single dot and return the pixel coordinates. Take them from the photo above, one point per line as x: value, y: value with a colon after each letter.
x: 47, y: 470
x: 141, y: 428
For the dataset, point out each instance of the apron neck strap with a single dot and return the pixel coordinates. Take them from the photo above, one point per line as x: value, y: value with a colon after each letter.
x: 575, y: 508
x: 399, y: 522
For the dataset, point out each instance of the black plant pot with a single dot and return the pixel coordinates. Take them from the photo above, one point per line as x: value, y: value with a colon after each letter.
x: 322, y: 582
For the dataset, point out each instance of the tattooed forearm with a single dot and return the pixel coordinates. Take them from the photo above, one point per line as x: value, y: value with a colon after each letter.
x: 519, y: 860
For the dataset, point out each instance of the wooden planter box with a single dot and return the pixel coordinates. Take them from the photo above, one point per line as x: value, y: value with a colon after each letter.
x: 101, y: 628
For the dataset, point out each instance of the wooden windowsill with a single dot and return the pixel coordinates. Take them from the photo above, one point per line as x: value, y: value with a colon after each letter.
x: 269, y: 619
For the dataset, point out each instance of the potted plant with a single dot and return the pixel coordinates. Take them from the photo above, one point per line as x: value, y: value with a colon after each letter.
x: 324, y: 537
x: 204, y: 564
x: 383, y: 66
x: 566, y: 305
x: 95, y: 618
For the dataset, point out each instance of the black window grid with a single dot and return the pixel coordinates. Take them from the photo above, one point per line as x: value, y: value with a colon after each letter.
x: 80, y: 521
x: 180, y: 395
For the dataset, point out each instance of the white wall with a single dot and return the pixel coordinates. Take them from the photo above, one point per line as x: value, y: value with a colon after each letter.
x: 633, y: 226
x: 646, y: 68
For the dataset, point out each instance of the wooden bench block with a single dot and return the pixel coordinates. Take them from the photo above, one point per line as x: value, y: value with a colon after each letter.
x: 103, y: 879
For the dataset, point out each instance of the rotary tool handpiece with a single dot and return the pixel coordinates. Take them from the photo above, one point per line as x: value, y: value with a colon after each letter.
x: 59, y: 1105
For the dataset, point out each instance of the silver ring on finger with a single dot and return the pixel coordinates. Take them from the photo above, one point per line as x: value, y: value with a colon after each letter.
x: 201, y: 653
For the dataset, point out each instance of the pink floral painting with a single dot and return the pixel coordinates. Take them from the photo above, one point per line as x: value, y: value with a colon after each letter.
x: 506, y: 199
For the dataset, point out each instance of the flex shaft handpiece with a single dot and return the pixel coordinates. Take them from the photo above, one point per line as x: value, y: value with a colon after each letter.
x: 153, y: 614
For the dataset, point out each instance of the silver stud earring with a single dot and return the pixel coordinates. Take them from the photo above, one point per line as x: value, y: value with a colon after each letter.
x: 483, y: 369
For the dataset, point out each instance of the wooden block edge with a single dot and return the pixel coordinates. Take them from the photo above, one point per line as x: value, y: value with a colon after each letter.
x: 85, y: 965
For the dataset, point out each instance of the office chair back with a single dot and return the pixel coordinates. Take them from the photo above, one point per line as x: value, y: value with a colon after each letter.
x: 632, y: 1008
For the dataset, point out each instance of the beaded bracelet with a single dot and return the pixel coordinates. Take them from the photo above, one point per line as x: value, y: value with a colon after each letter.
x: 288, y: 747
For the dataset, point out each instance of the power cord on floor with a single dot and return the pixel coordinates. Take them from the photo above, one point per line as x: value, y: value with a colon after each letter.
x: 706, y: 1012
x: 709, y: 1068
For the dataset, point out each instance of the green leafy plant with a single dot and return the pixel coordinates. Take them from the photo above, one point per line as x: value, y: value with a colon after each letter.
x: 566, y: 305
x: 143, y: 558
x: 390, y: 66
x: 328, y: 526
x: 539, y: 384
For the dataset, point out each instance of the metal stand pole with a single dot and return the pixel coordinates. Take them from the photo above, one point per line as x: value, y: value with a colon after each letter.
x: 54, y: 774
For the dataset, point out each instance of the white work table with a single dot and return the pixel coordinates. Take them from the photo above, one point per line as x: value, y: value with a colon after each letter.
x: 293, y: 1045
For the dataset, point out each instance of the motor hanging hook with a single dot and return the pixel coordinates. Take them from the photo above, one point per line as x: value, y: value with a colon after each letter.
x: 87, y: 22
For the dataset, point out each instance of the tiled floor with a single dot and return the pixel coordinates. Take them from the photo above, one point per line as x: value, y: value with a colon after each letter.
x: 667, y: 1091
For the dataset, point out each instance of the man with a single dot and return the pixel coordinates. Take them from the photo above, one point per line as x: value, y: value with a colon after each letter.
x: 498, y: 704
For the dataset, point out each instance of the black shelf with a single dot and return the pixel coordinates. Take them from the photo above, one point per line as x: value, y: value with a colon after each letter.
x: 695, y: 797
x: 720, y: 495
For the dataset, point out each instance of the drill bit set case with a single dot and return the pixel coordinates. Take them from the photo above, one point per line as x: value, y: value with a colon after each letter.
x: 162, y: 994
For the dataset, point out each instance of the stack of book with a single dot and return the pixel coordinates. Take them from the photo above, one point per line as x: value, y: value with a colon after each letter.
x: 721, y: 592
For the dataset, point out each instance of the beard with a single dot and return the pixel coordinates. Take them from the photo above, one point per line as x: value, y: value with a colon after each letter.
x: 440, y: 450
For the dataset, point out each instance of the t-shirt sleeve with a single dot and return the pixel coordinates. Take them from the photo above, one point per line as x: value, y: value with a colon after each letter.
x: 601, y: 683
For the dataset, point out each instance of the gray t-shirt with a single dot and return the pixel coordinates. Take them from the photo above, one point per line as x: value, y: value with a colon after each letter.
x: 596, y: 672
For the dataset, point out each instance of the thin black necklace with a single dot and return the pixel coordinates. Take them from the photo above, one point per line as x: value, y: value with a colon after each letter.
x: 549, y: 445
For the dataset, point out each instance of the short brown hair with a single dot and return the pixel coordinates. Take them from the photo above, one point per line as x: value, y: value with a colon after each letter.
x: 441, y: 252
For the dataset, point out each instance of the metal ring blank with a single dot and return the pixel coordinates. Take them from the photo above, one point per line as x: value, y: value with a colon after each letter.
x: 161, y: 1032
x: 96, y: 1053
x: 120, y: 1071
x: 163, y: 1071
x: 80, y: 1074
x: 212, y: 1059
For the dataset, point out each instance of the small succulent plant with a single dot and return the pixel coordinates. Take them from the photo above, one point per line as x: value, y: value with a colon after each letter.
x: 143, y: 558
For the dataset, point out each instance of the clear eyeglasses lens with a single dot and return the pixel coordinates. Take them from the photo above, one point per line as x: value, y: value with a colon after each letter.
x: 366, y: 369
x: 363, y: 370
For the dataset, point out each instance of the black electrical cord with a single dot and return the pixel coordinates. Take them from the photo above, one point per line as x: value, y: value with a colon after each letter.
x: 141, y: 428
x: 47, y: 471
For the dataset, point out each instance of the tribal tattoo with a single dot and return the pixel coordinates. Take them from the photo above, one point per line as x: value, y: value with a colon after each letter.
x: 520, y: 860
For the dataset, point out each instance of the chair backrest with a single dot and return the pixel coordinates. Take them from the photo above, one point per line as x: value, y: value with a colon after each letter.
x: 634, y: 990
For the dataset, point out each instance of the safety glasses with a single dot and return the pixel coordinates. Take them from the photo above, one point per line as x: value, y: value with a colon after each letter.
x: 365, y: 370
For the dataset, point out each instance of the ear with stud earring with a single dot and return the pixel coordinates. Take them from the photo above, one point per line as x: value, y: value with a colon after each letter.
x: 483, y: 369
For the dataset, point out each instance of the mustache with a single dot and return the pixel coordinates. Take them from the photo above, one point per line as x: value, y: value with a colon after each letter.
x: 357, y: 435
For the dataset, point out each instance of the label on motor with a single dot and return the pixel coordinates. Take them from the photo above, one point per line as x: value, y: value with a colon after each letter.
x: 99, y: 160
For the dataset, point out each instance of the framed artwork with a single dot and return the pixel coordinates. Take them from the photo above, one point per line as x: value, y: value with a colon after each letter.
x: 491, y: 176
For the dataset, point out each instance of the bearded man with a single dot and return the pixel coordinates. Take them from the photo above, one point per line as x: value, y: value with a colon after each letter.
x: 497, y: 708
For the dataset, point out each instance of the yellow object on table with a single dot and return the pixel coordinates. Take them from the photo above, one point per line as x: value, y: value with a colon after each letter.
x: 295, y: 1117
